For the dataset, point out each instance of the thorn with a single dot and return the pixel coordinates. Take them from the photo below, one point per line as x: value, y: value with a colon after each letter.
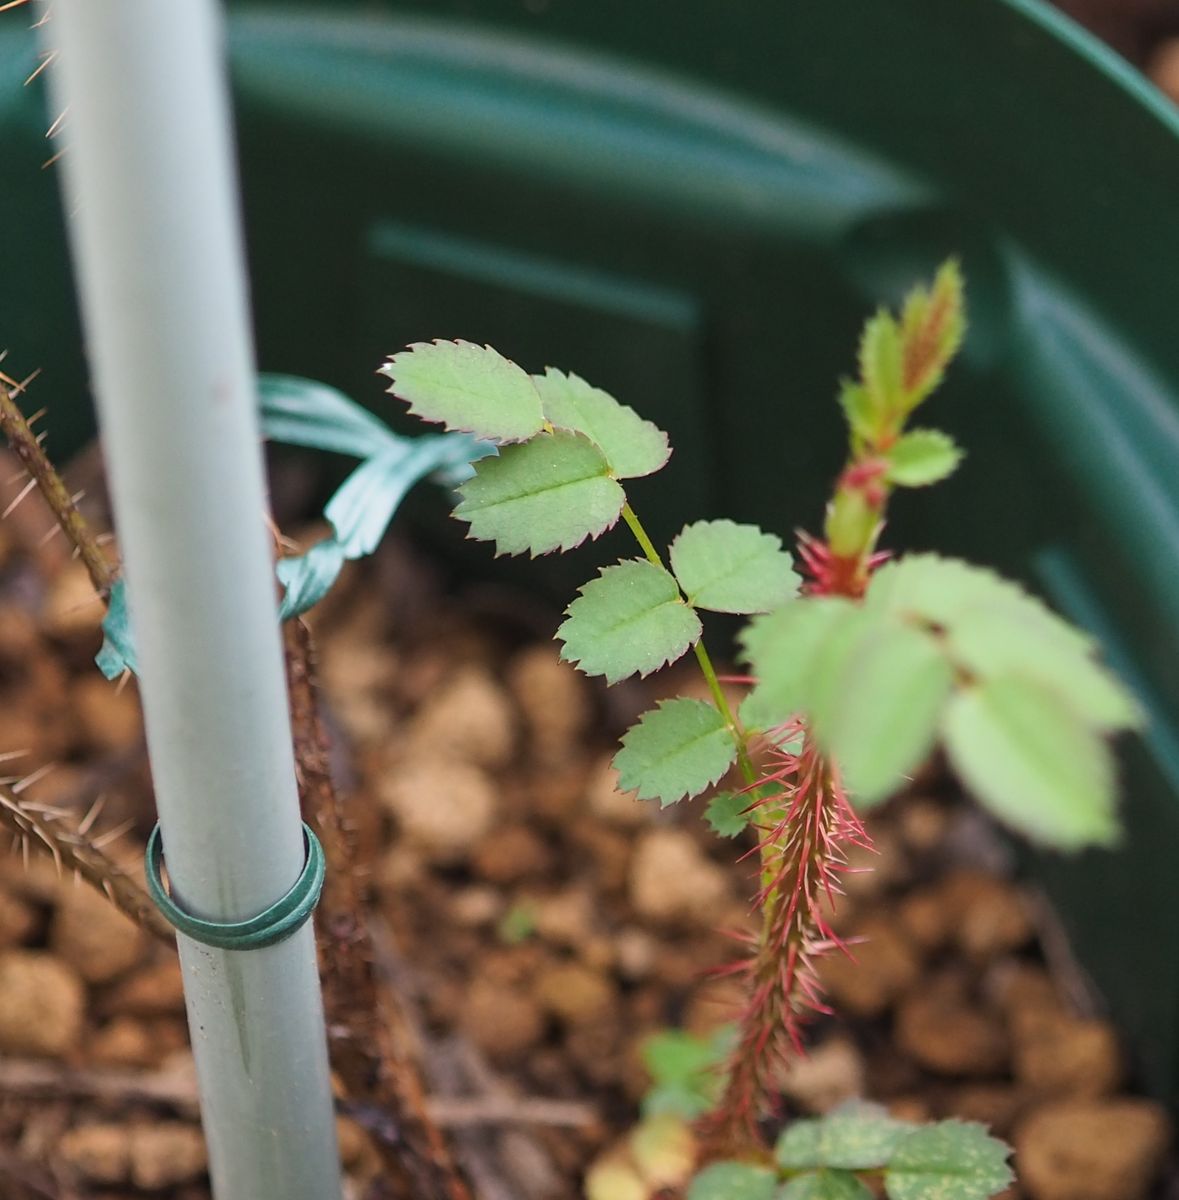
x: 78, y: 496
x: 12, y: 479
x: 47, y: 537
x: 114, y: 834
x: 124, y: 679
x: 8, y: 755
x: 19, y: 497
x: 92, y: 814
x: 57, y: 124
x: 45, y: 61
x: 23, y: 386
x: 11, y: 4
x: 36, y: 416
x: 34, y: 777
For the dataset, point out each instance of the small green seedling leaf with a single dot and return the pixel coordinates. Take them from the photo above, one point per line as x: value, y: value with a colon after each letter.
x: 825, y: 1185
x: 734, y: 1181
x: 881, y: 366
x: 686, y: 1070
x: 467, y: 387
x: 630, y: 620
x: 780, y: 648
x: 726, y: 567
x: 855, y: 1137
x: 933, y: 325
x: 551, y: 493
x: 857, y: 407
x: 675, y: 750
x: 1032, y: 762
x: 726, y: 813
x: 877, y: 701
x: 952, y: 1160
x: 922, y: 457
x: 632, y: 446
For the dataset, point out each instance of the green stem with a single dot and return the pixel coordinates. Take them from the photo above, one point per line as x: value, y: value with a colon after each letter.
x: 740, y: 740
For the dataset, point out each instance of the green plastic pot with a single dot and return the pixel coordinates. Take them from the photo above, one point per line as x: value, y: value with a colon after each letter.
x: 693, y: 205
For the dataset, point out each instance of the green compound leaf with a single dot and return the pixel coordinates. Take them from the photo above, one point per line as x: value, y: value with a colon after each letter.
x: 726, y: 567
x: 989, y: 643
x: 939, y: 591
x: 733, y: 1181
x: 467, y: 387
x: 780, y: 648
x: 629, y: 620
x: 686, y: 1071
x: 877, y: 694
x: 953, y: 1160
x: 855, y: 1137
x: 675, y: 750
x: 825, y: 1185
x: 922, y: 457
x: 726, y: 813
x: 550, y: 493
x: 1032, y: 762
x: 632, y: 446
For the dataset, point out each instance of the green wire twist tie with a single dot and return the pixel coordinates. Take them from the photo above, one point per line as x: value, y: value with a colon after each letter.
x: 274, y: 925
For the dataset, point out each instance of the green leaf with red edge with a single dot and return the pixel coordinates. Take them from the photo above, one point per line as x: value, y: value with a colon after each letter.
x: 952, y: 1160
x: 922, y: 457
x: 467, y: 387
x: 933, y: 325
x: 1030, y: 760
x: 632, y: 446
x: 881, y: 367
x: 731, y: 568
x: 675, y: 751
x: 630, y: 620
x: 549, y: 493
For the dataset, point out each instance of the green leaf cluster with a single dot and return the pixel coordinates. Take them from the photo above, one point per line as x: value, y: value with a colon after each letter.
x: 564, y: 449
x: 942, y: 650
x: 819, y: 1160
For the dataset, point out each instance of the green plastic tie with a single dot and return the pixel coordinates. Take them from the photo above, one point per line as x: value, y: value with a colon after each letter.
x: 269, y: 927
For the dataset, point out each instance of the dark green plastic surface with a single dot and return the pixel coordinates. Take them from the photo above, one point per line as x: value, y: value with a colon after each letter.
x: 693, y: 205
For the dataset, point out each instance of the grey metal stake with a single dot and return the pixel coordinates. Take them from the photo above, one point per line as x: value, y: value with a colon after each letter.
x: 151, y: 192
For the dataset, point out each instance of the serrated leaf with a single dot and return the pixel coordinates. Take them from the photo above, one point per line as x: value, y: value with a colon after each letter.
x: 932, y: 327
x: 876, y: 697
x: 855, y: 1137
x: 726, y: 813
x: 467, y: 387
x: 630, y: 620
x: 939, y: 591
x: 780, y: 648
x: 952, y: 1160
x: 632, y: 446
x: 1032, y: 762
x: 733, y: 1181
x: 550, y: 493
x: 992, y: 642
x: 858, y: 409
x: 922, y: 457
x: 675, y: 750
x: 881, y: 363
x: 825, y: 1185
x: 303, y: 412
x: 726, y: 567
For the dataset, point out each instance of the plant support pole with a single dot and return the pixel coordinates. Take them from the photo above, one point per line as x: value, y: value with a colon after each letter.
x: 150, y: 189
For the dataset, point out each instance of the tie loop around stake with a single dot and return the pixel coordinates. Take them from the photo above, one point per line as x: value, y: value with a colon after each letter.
x: 275, y: 924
